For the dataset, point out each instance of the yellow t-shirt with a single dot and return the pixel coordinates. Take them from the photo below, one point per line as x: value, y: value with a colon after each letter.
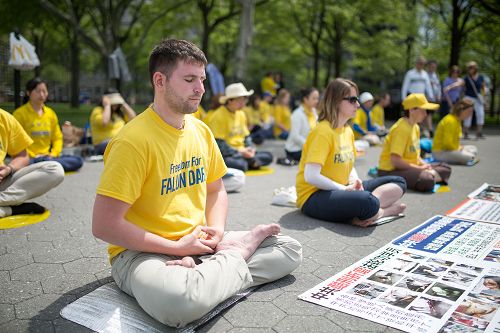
x: 403, y: 140
x: 361, y: 120
x: 333, y: 149
x: 102, y: 133
x: 229, y: 126
x: 268, y: 85
x: 200, y: 113
x: 163, y: 175
x: 13, y: 138
x: 253, y: 116
x: 266, y: 111
x: 448, y: 132
x: 44, y: 130
x: 378, y: 115
x: 283, y: 116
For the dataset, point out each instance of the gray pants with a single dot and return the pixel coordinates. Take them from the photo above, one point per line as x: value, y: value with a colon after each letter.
x: 462, y: 156
x: 176, y: 295
x: 28, y: 183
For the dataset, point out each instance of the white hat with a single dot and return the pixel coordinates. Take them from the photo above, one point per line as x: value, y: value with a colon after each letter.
x: 235, y: 90
x: 365, y: 97
x: 115, y: 98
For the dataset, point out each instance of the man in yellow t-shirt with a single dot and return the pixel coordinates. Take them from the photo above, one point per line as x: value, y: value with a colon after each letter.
x: 229, y: 126
x: 268, y: 85
x: 401, y: 151
x: 41, y: 124
x: 162, y: 206
x: 18, y: 180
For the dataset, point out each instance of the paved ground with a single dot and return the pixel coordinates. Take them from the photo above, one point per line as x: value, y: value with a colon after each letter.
x: 45, y: 266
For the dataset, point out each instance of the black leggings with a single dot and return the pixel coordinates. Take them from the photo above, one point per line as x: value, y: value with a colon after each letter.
x: 343, y: 206
x: 263, y: 157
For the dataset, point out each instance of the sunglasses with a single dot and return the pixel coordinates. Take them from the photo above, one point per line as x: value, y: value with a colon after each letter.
x: 351, y: 99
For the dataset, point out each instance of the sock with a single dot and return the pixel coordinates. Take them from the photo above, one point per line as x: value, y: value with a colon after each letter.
x: 27, y: 208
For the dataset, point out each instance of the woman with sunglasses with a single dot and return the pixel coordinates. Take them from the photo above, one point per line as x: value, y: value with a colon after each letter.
x: 328, y: 186
x: 401, y: 151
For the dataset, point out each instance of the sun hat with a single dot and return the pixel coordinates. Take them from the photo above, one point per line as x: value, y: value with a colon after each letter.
x: 115, y: 98
x: 365, y: 97
x: 418, y: 101
x: 235, y: 90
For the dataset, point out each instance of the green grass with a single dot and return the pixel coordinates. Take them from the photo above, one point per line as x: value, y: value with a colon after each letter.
x: 78, y: 117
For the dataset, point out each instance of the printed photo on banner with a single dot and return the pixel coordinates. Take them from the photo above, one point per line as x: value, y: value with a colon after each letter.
x: 486, y: 192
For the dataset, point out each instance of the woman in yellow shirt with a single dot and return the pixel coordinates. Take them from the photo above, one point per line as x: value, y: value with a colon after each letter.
x: 282, y: 115
x: 401, y: 151
x: 328, y: 186
x: 446, y: 146
x: 42, y: 125
x: 108, y: 119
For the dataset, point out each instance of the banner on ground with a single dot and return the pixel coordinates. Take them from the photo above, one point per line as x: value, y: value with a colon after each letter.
x: 482, y: 205
x: 442, y: 276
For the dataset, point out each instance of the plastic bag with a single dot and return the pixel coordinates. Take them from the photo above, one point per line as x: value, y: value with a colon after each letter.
x: 22, y: 54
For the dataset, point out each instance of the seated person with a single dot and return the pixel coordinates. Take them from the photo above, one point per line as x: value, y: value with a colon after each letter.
x: 255, y: 126
x: 229, y: 126
x: 304, y: 119
x: 328, y: 186
x: 19, y: 181
x: 108, y: 119
x: 41, y: 124
x: 401, y: 151
x: 446, y: 145
x: 362, y: 124
x: 282, y: 115
x: 168, y: 248
x: 378, y: 114
x: 266, y: 112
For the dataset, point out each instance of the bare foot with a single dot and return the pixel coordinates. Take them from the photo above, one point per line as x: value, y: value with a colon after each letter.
x: 186, y: 262
x: 249, y: 242
x: 394, y: 209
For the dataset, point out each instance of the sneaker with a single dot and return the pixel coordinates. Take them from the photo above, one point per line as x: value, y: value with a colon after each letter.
x: 286, y: 161
x: 480, y: 136
x: 285, y: 197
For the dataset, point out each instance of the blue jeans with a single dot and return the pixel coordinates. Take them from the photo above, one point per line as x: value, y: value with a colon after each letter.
x: 69, y: 163
x: 343, y: 206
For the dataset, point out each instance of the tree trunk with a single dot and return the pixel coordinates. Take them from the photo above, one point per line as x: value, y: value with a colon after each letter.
x: 75, y: 70
x: 316, y: 55
x: 456, y: 35
x: 205, y: 34
x: 493, y: 111
x: 245, y: 38
x: 337, y: 44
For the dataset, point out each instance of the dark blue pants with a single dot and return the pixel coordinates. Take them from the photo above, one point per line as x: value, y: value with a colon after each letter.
x: 241, y: 163
x: 293, y: 155
x: 343, y: 206
x: 69, y: 163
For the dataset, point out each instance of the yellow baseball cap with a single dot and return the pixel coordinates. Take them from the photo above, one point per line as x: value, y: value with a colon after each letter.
x: 418, y: 101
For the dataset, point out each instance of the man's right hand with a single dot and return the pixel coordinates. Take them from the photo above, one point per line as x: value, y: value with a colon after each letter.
x: 248, y: 152
x: 191, y: 244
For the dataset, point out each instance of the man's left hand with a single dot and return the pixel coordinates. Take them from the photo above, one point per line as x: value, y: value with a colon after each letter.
x: 211, y: 236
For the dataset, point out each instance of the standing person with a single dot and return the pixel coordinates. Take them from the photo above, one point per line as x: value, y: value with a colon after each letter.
x: 417, y: 81
x: 401, y: 151
x: 363, y: 126
x: 304, y: 119
x: 41, y: 124
x: 446, y: 146
x: 474, y: 90
x: 453, y: 87
x: 108, y: 119
x: 268, y: 85
x: 171, y: 210
x: 19, y: 181
x: 229, y: 126
x: 378, y: 112
x: 282, y: 115
x: 432, y: 67
x: 328, y: 186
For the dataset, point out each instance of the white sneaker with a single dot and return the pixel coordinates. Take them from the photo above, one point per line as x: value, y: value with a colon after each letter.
x: 285, y: 196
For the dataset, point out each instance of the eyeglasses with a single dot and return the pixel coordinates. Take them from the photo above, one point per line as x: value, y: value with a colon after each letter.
x: 351, y: 99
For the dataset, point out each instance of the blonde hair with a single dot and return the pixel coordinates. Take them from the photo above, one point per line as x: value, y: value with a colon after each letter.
x: 282, y: 93
x: 335, y: 92
x: 461, y: 106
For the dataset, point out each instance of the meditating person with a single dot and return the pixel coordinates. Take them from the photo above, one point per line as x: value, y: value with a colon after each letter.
x: 446, y: 145
x: 19, y: 180
x: 401, y: 150
x: 108, y: 119
x: 41, y: 123
x: 328, y: 186
x: 162, y: 206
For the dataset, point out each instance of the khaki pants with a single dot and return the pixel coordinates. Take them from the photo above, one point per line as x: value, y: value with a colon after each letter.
x: 463, y: 156
x: 27, y: 183
x: 176, y: 295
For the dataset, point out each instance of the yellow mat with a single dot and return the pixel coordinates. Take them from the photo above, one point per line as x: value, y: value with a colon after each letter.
x: 262, y: 171
x: 18, y: 221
